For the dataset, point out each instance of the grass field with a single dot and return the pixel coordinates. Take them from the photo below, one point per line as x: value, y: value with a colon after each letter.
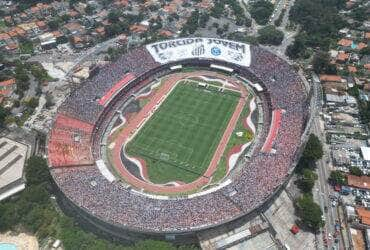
x: 233, y: 141
x: 179, y: 140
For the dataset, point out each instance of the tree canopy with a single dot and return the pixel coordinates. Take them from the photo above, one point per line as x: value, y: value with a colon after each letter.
x: 356, y: 171
x: 307, y: 180
x: 313, y: 150
x: 310, y: 212
x: 270, y: 35
x: 337, y: 177
x: 321, y: 63
x: 261, y: 11
x: 192, y: 23
x: 3, y: 114
x: 365, y: 51
x: 319, y: 21
x: 37, y: 171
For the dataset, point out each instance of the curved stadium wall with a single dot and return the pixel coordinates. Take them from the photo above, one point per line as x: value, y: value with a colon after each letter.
x: 120, y: 231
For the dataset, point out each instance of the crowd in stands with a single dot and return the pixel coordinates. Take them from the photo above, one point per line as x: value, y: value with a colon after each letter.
x: 264, y: 173
x: 69, y: 142
x: 83, y: 103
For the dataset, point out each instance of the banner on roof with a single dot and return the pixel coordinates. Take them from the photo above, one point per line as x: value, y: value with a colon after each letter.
x: 210, y: 48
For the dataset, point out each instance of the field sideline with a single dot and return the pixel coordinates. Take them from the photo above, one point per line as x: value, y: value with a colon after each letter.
x: 179, y: 140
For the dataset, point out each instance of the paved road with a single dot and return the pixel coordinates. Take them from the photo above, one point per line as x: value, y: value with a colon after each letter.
x: 279, y: 6
x: 323, y: 189
x: 77, y: 58
x: 289, y: 36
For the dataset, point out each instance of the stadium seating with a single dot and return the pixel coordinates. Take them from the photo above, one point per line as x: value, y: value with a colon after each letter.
x: 84, y: 116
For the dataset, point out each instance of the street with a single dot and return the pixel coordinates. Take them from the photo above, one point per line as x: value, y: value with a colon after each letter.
x: 323, y: 190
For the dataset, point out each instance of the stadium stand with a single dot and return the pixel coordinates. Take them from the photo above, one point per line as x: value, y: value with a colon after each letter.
x: 69, y: 142
x: 115, y: 207
x: 111, y: 92
x: 274, y: 128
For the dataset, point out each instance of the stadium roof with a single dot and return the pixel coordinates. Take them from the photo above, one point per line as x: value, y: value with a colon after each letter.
x: 12, y: 159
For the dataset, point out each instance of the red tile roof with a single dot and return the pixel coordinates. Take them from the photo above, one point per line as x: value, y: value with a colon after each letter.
x: 4, y: 36
x: 166, y: 33
x: 342, y: 56
x: 138, y: 28
x: 7, y: 82
x: 41, y: 24
x: 359, y: 181
x: 364, y: 215
x: 361, y: 45
x: 330, y: 78
x: 352, y: 69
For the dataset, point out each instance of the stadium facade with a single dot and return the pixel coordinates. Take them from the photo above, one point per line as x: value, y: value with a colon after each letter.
x: 93, y: 192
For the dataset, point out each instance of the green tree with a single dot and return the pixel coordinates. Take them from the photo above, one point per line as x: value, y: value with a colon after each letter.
x: 309, y: 212
x: 270, y: 35
x: 33, y: 102
x: 3, y: 114
x: 26, y: 46
x: 337, y: 177
x: 21, y: 73
x: 54, y: 24
x: 114, y: 15
x: 203, y: 19
x: 360, y: 13
x: 8, y: 216
x: 354, y: 91
x: 261, y: 11
x: 319, y: 24
x: 356, y: 171
x: 298, y: 47
x: 365, y: 51
x: 89, y: 9
x: 34, y: 219
x: 313, y: 150
x: 217, y: 10
x: 321, y: 63
x: 37, y: 171
x: 39, y: 73
x: 191, y: 24
x: 22, y: 78
x: 307, y: 180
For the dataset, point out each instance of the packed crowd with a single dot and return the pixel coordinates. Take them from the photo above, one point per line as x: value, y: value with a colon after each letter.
x: 83, y: 103
x: 69, y: 142
x: 281, y: 80
x: 138, y: 211
x: 250, y: 188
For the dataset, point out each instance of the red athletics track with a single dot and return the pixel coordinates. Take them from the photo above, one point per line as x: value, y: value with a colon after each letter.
x: 132, y: 125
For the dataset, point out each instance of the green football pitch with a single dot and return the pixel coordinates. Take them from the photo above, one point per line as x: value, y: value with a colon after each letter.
x: 180, y: 138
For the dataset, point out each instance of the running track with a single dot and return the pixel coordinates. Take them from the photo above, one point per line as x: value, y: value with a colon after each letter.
x: 132, y: 126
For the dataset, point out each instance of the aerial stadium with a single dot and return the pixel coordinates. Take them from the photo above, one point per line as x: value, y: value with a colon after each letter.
x: 177, y: 137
